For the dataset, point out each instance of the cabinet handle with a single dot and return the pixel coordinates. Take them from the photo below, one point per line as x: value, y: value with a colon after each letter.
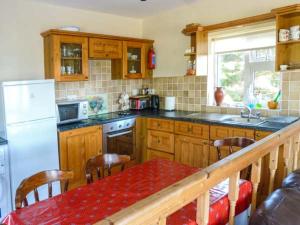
x: 257, y: 135
x: 158, y: 141
x: 158, y: 124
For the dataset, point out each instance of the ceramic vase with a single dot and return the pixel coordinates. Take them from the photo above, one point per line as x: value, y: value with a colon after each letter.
x: 219, y: 95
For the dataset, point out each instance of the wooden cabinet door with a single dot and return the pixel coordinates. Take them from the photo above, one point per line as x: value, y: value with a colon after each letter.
x: 105, y: 48
x: 161, y: 125
x: 240, y: 132
x: 191, y: 151
x: 161, y: 141
x: 66, y: 58
x: 76, y: 147
x: 192, y: 129
x: 134, y: 63
x: 152, y: 154
x: 219, y: 132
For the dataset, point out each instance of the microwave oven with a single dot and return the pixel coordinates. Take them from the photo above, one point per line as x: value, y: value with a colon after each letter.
x: 71, y: 111
x: 139, y: 102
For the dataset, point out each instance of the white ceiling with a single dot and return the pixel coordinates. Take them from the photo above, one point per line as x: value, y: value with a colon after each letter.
x: 129, y: 8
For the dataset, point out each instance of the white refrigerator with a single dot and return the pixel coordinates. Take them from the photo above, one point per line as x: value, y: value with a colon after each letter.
x: 28, y: 122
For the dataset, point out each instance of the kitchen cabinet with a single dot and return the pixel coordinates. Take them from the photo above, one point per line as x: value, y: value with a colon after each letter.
x: 160, y: 124
x: 75, y: 148
x: 192, y: 129
x: 134, y: 62
x: 100, y: 48
x: 191, y: 151
x: 153, y: 154
x: 161, y: 141
x: 66, y: 57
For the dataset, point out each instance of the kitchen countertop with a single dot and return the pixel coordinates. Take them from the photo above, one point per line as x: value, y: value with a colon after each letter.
x: 272, y: 123
x: 3, y: 141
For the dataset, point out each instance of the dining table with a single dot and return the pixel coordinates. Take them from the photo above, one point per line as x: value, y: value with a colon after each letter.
x: 96, y: 201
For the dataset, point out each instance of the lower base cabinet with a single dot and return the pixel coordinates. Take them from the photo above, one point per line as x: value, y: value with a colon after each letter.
x: 153, y: 154
x: 191, y: 151
x: 75, y: 148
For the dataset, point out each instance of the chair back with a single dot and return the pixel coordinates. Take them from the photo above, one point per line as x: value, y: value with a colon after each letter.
x: 100, y: 163
x: 240, y: 142
x: 45, y: 177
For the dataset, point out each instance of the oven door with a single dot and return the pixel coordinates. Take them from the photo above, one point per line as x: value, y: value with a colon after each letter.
x: 121, y: 142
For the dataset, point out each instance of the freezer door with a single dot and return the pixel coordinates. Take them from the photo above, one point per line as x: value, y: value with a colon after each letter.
x: 28, y: 101
x: 5, y: 195
x: 32, y: 148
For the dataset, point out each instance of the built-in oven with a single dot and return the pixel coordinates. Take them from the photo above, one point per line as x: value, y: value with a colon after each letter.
x: 119, y: 137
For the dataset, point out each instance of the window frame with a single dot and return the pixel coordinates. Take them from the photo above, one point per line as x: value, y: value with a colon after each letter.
x: 212, y: 80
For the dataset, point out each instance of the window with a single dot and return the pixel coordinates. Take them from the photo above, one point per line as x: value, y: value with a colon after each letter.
x: 244, y: 65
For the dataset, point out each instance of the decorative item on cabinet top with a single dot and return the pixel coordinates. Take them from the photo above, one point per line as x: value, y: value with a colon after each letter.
x: 66, y: 55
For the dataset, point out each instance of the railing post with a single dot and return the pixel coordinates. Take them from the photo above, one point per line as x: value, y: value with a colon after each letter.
x: 202, y: 215
x: 273, y: 164
x: 296, y: 151
x: 288, y: 156
x: 233, y: 195
x: 255, y: 179
x: 162, y: 221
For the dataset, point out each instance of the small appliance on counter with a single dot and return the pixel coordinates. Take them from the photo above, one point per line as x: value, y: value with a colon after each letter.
x: 170, y: 102
x: 154, y: 102
x: 69, y: 111
x: 139, y: 102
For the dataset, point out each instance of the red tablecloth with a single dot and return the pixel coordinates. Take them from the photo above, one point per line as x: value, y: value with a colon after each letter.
x: 91, y: 203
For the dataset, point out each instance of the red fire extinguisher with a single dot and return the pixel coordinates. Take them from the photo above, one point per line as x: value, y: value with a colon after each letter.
x: 151, y: 59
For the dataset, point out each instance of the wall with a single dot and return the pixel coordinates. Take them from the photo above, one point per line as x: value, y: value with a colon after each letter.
x: 170, y: 43
x: 22, y: 21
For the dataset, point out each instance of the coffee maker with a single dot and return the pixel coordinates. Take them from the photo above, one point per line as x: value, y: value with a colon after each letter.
x: 154, y: 102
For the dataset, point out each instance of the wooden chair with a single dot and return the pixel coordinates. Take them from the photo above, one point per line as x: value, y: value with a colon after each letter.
x: 240, y: 142
x: 100, y: 163
x: 45, y: 177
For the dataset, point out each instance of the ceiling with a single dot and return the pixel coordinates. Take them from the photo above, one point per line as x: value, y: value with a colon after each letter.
x: 129, y: 8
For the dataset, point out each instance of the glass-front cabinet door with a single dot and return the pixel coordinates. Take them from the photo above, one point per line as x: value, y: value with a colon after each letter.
x: 72, y: 58
x: 134, y: 60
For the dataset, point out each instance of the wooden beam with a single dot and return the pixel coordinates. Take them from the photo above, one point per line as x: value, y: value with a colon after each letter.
x: 240, y: 22
x: 286, y: 9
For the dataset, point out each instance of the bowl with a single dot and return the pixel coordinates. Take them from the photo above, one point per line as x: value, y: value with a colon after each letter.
x: 272, y: 105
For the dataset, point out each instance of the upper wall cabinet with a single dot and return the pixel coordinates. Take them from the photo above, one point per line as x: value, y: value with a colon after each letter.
x: 66, y: 55
x: 66, y: 58
x: 105, y: 48
x: 288, y: 51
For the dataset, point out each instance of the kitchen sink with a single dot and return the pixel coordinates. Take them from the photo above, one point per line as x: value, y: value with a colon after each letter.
x: 246, y: 121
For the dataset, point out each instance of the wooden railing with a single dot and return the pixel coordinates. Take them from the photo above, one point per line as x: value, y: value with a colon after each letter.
x: 156, y: 208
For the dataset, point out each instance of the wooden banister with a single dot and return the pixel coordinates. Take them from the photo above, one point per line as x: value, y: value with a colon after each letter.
x: 255, y: 179
x: 273, y: 164
x: 157, y: 207
x: 202, y: 214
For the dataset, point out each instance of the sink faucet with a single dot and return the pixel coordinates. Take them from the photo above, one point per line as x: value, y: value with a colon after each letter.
x: 247, y: 112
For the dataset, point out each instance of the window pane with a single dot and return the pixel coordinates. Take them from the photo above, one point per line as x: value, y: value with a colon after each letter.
x: 230, y: 76
x: 266, y: 86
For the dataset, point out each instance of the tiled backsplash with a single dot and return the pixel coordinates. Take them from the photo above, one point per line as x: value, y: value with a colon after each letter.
x: 190, y: 92
x: 99, y: 82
